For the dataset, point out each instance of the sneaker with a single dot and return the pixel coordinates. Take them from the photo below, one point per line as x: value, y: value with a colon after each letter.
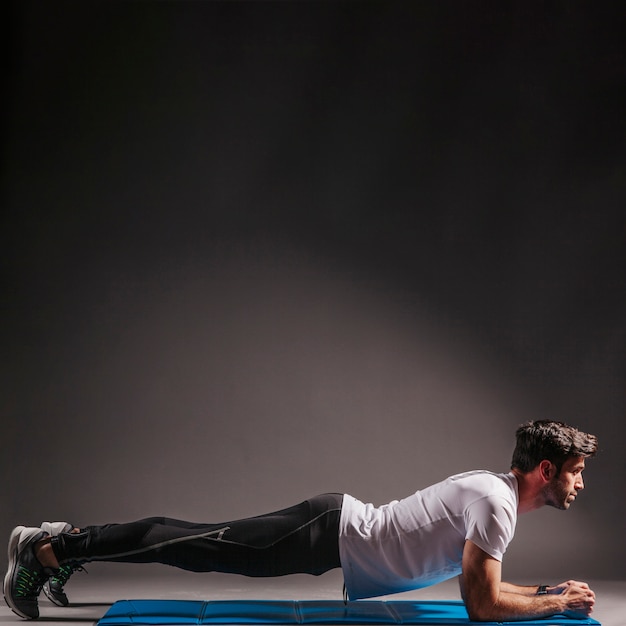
x: 53, y: 588
x: 25, y: 576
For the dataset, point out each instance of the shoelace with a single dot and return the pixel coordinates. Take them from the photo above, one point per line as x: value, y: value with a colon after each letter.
x: 28, y: 583
x: 65, y: 571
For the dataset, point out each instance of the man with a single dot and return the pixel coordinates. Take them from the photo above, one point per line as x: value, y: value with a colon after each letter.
x: 458, y: 527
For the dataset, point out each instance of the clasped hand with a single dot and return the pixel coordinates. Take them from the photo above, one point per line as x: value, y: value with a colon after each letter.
x: 578, y: 596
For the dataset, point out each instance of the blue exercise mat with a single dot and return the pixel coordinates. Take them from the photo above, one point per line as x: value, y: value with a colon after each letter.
x: 282, y: 612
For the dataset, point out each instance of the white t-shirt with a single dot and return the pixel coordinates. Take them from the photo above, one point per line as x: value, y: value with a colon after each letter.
x: 418, y: 541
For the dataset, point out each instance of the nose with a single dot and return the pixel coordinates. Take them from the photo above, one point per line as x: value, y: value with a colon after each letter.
x: 580, y: 484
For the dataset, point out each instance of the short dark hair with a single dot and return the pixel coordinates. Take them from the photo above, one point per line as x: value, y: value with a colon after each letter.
x: 554, y: 441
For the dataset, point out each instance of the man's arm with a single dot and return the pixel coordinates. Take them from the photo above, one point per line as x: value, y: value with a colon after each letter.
x: 487, y: 598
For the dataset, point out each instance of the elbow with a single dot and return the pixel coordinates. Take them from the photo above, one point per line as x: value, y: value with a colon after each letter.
x: 477, y: 617
x: 480, y: 617
x: 480, y: 613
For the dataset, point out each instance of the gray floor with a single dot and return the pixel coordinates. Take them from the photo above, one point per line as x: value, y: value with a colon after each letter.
x: 91, y: 594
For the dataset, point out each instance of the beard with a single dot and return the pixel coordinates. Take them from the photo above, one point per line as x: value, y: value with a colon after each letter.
x: 556, y: 494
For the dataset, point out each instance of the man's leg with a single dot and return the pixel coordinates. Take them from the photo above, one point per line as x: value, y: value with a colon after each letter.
x: 300, y: 539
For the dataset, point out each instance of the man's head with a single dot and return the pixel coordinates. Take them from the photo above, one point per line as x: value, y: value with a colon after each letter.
x: 552, y: 441
x: 555, y: 453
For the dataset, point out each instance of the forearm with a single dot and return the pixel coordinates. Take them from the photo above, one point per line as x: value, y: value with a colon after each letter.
x: 514, y: 605
x: 510, y: 602
x: 520, y: 589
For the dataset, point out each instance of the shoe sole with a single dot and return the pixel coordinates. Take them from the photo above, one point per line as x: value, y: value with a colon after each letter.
x: 13, y: 553
x: 56, y: 528
x: 51, y: 597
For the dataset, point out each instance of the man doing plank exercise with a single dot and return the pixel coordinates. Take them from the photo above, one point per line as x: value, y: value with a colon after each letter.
x: 458, y: 527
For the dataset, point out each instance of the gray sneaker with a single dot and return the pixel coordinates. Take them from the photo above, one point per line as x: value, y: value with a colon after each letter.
x: 53, y: 588
x: 25, y: 576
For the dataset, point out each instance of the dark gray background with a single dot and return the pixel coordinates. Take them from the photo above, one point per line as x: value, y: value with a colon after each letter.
x: 257, y: 251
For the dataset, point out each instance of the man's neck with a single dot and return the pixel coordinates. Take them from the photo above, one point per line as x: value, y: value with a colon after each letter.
x: 529, y: 489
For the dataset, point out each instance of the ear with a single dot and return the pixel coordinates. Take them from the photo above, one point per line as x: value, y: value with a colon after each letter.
x: 547, y: 470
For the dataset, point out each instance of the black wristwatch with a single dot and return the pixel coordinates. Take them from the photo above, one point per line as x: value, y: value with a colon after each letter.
x: 542, y: 590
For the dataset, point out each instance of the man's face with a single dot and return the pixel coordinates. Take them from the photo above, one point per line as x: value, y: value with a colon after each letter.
x: 562, y: 490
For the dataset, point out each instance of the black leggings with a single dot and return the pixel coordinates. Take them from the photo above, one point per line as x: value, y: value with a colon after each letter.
x: 300, y: 539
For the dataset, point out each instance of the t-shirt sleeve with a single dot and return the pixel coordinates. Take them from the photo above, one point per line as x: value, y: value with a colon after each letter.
x: 490, y: 524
